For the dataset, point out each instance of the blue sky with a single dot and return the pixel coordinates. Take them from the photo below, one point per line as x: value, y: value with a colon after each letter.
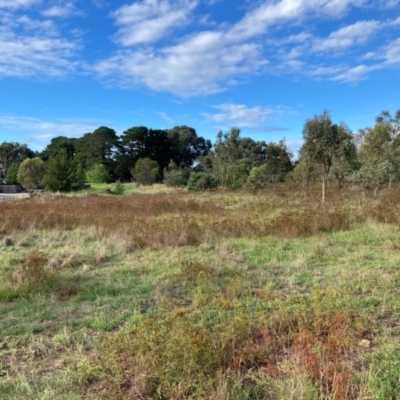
x: 68, y: 67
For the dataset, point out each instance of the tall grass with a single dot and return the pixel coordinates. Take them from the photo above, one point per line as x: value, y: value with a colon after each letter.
x: 211, y: 296
x: 178, y: 220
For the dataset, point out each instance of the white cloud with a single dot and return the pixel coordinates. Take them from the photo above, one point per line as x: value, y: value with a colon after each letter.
x: 356, y: 34
x: 34, y: 47
x: 392, y: 52
x: 202, y: 64
x: 165, y: 117
x: 28, y: 56
x: 15, y: 4
x: 318, y: 72
x: 269, y: 13
x: 241, y: 115
x: 354, y: 74
x: 61, y: 11
x: 149, y: 20
x: 207, y: 62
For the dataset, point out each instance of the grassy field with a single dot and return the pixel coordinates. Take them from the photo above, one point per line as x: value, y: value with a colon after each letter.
x: 166, y: 294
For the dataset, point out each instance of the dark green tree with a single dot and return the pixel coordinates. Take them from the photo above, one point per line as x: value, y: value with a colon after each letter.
x: 175, y: 176
x: 100, y: 146
x: 185, y: 146
x: 141, y: 142
x: 12, y: 174
x: 14, y: 153
x: 146, y: 171
x: 200, y: 181
x: 57, y: 144
x: 344, y: 161
x: 277, y: 162
x: 60, y: 173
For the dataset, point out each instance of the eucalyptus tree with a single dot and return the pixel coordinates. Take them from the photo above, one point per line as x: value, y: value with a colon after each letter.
x: 14, y: 153
x: 321, y: 142
x: 345, y: 157
x: 379, y: 152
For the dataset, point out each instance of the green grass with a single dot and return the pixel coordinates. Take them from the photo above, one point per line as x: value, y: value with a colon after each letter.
x: 229, y: 317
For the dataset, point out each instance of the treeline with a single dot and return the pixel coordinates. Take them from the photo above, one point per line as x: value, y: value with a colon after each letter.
x: 179, y: 157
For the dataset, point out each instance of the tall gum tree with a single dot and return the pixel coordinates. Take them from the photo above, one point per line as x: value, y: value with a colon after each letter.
x: 321, y: 141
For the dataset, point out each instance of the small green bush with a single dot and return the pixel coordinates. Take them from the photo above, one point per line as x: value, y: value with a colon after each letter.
x: 12, y: 174
x: 97, y: 174
x: 119, y: 188
x: 177, y: 177
x: 201, y: 181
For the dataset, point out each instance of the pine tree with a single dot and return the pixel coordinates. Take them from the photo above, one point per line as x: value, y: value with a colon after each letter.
x: 60, y: 173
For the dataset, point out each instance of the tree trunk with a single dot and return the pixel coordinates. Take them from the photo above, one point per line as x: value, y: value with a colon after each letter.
x: 324, y: 179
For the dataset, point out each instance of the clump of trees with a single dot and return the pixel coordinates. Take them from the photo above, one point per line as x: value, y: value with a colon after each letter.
x: 180, y: 158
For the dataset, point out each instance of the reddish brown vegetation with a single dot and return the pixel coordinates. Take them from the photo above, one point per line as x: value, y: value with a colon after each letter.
x: 176, y: 220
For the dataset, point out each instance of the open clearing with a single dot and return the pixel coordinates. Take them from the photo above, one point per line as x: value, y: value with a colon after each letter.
x: 165, y: 294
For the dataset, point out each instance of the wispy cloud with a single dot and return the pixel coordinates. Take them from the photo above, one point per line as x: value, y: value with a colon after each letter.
x: 34, y: 47
x: 356, y: 73
x: 392, y: 52
x: 269, y: 13
x: 15, y: 4
x: 61, y: 11
x: 208, y: 62
x: 241, y: 115
x: 347, y: 36
x: 149, y: 20
x: 202, y: 64
x: 165, y: 117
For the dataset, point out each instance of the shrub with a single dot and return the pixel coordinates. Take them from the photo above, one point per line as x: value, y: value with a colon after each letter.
x: 119, y: 188
x: 31, y: 173
x: 98, y: 174
x: 201, y: 181
x: 177, y: 177
x: 60, y: 173
x: 146, y: 171
x: 12, y: 174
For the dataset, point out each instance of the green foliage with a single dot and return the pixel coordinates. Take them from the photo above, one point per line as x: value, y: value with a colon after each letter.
x: 98, y: 174
x: 146, y: 171
x: 379, y: 153
x: 177, y: 177
x: 201, y: 181
x: 119, y: 188
x: 190, y: 352
x: 256, y: 179
x: 80, y: 176
x: 12, y: 174
x: 14, y: 153
x: 31, y: 173
x: 321, y: 141
x: 277, y: 163
x: 306, y: 173
x: 97, y: 147
x: 61, y: 173
x: 385, y: 372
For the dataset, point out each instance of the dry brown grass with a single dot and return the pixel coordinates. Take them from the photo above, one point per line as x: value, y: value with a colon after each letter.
x: 184, y: 219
